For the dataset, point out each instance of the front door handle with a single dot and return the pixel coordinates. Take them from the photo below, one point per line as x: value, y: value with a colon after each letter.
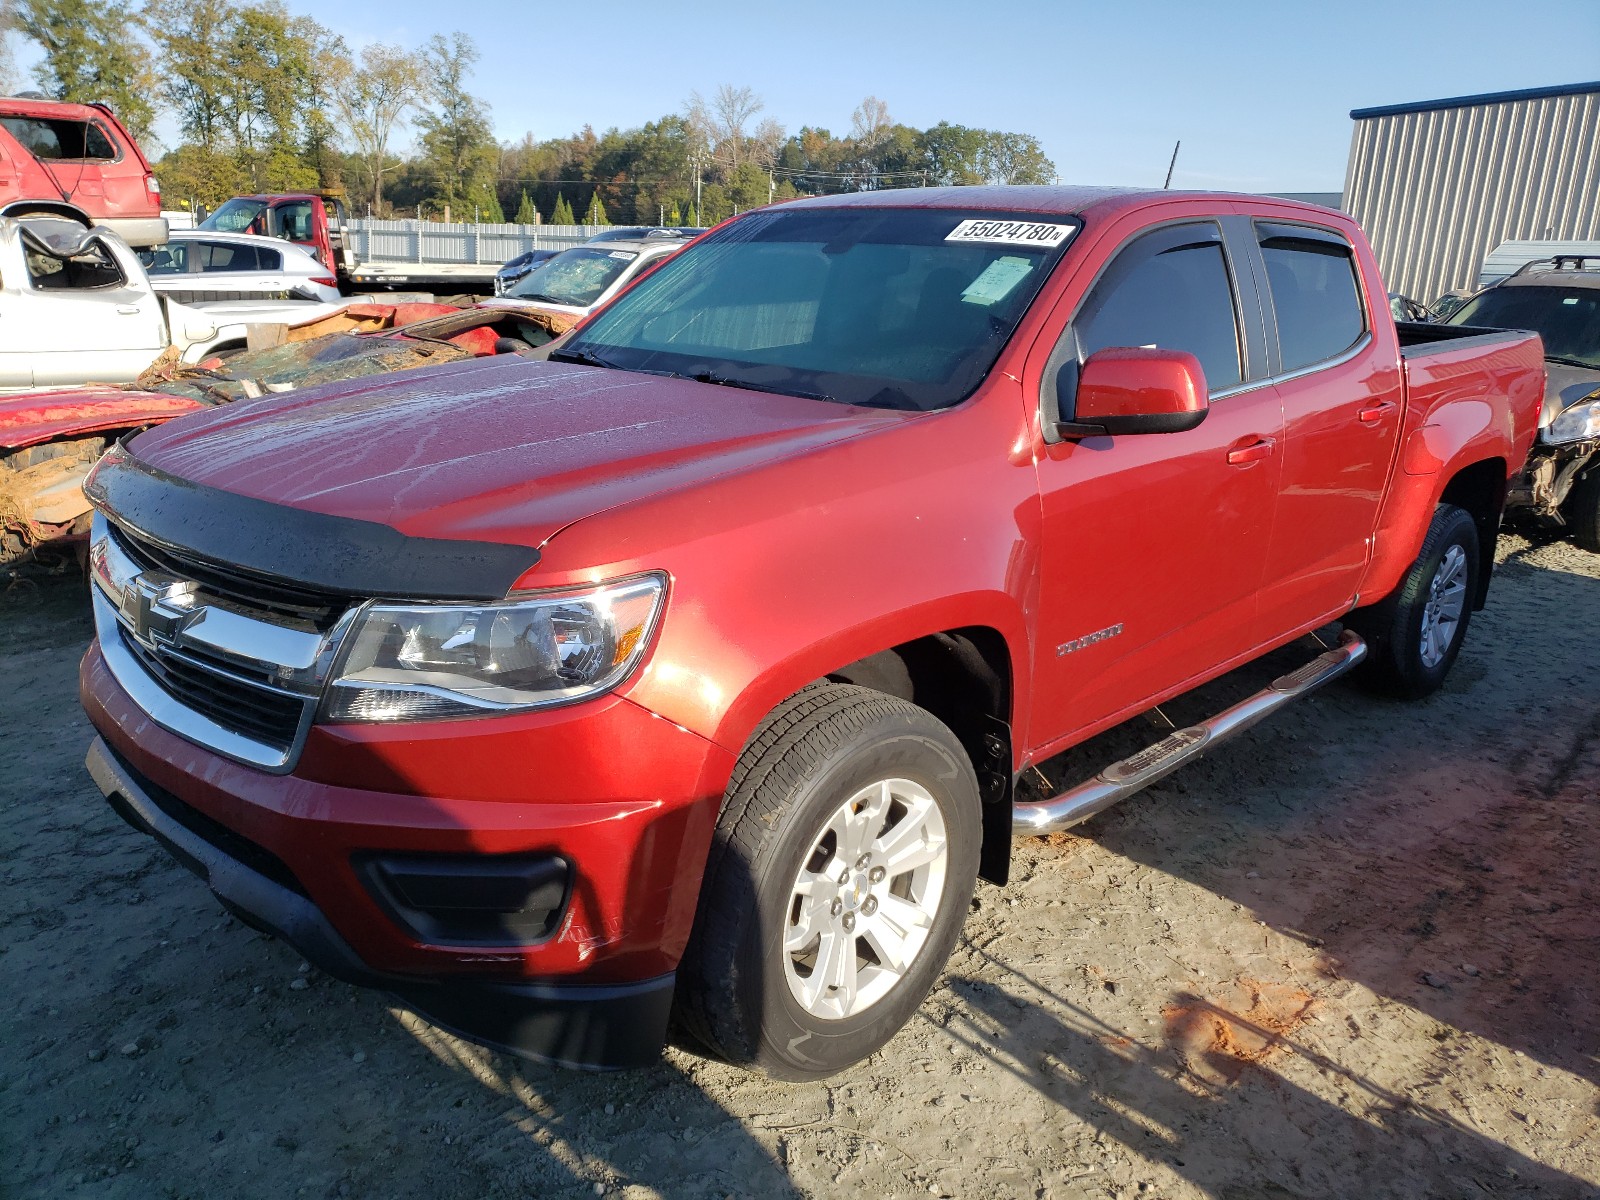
x: 1251, y: 450
x: 1371, y: 414
x: 128, y: 310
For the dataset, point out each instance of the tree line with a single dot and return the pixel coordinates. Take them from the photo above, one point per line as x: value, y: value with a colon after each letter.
x: 264, y: 101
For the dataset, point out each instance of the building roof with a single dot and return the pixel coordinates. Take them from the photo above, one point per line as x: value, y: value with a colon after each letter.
x: 1544, y: 93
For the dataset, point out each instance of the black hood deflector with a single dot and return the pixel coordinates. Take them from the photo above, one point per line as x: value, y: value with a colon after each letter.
x: 340, y: 556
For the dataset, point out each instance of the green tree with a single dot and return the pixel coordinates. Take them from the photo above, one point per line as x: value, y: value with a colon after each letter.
x: 189, y: 36
x: 458, y: 145
x: 563, y: 212
x: 372, y: 99
x: 526, y: 213
x: 595, y: 214
x: 674, y: 217
x: 92, y: 51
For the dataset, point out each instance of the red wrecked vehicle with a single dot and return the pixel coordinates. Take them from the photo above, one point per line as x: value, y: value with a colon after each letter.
x: 49, y: 440
x: 78, y: 161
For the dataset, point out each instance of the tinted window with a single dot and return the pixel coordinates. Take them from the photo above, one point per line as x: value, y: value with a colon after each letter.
x: 1169, y: 290
x: 51, y: 138
x: 230, y: 256
x: 1566, y: 318
x: 890, y: 307
x: 1312, y: 278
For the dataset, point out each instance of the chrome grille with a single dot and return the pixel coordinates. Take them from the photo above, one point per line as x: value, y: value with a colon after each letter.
x: 209, y: 654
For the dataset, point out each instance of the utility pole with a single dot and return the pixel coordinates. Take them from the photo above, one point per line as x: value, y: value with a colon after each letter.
x: 772, y: 188
x: 661, y: 214
x: 1172, y: 164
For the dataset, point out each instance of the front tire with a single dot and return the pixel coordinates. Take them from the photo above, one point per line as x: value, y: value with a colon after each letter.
x: 1582, y: 510
x: 1414, y: 635
x: 843, y: 868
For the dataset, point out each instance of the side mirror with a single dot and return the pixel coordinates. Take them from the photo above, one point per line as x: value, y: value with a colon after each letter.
x: 1134, y: 391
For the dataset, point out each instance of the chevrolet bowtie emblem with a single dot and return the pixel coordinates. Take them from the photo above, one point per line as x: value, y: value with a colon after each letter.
x: 158, y: 608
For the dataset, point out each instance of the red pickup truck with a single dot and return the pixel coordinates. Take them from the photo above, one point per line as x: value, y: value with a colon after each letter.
x: 680, y: 683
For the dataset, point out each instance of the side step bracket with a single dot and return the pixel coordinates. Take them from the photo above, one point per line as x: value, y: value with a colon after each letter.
x: 1138, y: 771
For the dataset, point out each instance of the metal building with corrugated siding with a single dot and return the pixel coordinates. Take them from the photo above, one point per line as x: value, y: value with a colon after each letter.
x: 1438, y: 184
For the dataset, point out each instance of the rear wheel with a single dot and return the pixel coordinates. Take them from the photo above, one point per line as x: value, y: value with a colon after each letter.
x: 845, y: 861
x: 1414, y: 635
x: 1582, y: 510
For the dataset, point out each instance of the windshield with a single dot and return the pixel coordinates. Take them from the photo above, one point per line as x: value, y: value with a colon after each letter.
x: 1566, y: 318
x: 893, y: 308
x: 577, y: 277
x: 235, y: 216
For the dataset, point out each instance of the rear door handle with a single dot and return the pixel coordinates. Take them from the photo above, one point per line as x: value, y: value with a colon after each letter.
x: 1251, y: 451
x: 128, y: 310
x: 1371, y: 414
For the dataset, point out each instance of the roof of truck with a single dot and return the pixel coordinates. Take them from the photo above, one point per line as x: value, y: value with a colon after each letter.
x: 23, y: 106
x: 1063, y: 200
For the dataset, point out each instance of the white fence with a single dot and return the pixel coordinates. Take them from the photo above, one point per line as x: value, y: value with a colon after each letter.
x: 436, y: 242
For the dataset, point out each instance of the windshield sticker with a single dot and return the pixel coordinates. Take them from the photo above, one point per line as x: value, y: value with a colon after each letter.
x: 1011, y: 233
x: 997, y: 280
x: 623, y: 255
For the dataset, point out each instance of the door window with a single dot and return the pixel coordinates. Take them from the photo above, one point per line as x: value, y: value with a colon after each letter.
x: 295, y: 220
x: 1169, y: 290
x: 94, y: 268
x: 1311, y: 275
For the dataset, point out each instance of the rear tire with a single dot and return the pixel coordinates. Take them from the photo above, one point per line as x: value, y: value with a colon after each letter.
x: 1582, y: 510
x: 842, y: 871
x: 1414, y: 634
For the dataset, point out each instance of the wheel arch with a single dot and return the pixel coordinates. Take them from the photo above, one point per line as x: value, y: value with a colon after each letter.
x: 966, y: 678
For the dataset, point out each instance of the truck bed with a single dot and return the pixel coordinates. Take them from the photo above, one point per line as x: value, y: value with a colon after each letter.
x: 1418, y: 338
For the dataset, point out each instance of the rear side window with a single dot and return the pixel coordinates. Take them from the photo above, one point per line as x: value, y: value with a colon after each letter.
x: 1169, y: 290
x: 230, y: 256
x: 51, y: 138
x: 1311, y: 274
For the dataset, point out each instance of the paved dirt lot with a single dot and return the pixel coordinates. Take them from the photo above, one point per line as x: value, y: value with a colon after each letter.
x: 1354, y: 954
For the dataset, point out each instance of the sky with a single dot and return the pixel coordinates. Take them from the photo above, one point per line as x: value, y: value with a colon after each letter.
x: 1258, y: 92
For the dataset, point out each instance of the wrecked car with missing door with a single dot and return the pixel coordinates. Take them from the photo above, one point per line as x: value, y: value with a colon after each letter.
x: 682, y: 682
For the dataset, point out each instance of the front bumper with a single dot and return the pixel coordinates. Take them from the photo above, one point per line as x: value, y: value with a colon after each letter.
x: 625, y: 798
x: 1546, y: 479
x: 618, y: 1026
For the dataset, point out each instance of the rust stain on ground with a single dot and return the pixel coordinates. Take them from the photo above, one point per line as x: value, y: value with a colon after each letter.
x: 1221, y: 1040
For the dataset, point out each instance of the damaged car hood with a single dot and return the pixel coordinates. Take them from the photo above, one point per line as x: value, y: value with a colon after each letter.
x: 496, y: 450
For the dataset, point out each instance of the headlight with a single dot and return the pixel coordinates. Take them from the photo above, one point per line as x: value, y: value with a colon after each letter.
x: 1580, y: 421
x: 424, y: 661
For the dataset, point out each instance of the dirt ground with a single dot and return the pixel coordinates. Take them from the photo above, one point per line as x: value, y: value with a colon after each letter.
x: 1354, y: 954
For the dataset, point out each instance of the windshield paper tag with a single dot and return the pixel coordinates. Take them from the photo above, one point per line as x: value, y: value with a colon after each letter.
x: 623, y: 255
x: 997, y: 280
x: 1011, y: 233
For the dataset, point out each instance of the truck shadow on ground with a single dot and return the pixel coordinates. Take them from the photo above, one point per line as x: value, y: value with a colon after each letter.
x: 1211, y: 1108
x: 1439, y: 853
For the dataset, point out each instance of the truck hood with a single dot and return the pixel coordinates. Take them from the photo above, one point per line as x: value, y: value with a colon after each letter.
x: 496, y: 450
x: 1565, y: 386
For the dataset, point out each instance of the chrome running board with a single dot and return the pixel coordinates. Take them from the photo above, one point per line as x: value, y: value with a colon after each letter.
x: 1138, y: 771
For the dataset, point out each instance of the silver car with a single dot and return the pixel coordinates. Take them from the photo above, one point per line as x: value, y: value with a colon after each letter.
x: 577, y: 281
x: 196, y: 265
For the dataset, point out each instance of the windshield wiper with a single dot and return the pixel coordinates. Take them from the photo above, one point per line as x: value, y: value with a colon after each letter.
x: 582, y: 357
x: 538, y: 296
x: 1571, y: 362
x: 726, y: 381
